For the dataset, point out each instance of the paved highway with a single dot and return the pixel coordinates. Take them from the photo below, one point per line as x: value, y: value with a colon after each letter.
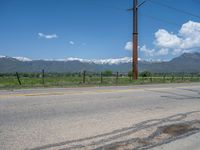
x: 128, y: 117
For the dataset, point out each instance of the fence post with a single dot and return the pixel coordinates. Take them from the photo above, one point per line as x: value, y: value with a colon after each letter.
x: 84, y: 72
x: 79, y: 74
x: 43, y: 76
x: 182, y: 77
x: 151, y: 78
x: 101, y: 77
x: 191, y: 77
x: 18, y: 78
x: 130, y: 78
x: 172, y: 78
x: 117, y: 77
x: 143, y: 79
x: 164, y: 78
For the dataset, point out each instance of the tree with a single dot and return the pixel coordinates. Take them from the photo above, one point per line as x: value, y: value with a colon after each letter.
x: 130, y: 73
x: 146, y: 74
x: 107, y: 73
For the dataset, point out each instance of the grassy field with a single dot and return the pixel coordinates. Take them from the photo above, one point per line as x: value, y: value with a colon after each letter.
x: 29, y: 82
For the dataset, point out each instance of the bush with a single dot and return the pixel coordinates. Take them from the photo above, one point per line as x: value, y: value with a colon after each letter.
x: 146, y: 74
x: 130, y: 73
x: 107, y: 73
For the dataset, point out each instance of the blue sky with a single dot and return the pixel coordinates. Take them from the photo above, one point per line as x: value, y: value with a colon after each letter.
x: 94, y: 29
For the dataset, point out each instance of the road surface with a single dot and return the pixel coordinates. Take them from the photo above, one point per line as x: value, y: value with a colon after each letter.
x: 163, y: 116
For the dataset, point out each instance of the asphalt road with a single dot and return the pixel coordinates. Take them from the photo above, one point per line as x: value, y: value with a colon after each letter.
x: 129, y: 117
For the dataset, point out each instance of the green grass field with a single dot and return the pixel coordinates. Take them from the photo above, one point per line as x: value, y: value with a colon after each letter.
x: 29, y: 82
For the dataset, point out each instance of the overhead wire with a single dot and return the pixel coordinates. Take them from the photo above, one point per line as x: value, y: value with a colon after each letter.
x: 160, y: 19
x: 174, y: 8
x: 151, y: 16
x: 196, y: 1
x: 155, y: 18
x: 96, y: 3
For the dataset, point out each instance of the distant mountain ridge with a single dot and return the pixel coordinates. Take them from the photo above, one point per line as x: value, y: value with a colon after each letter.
x: 187, y: 62
x: 96, y: 61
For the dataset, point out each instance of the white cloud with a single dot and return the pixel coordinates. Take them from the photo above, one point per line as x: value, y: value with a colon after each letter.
x: 71, y: 42
x: 176, y: 51
x: 165, y: 39
x: 187, y: 38
x: 48, y: 36
x: 189, y: 33
x: 128, y: 46
x: 163, y: 52
x: 153, y: 52
x: 147, y: 51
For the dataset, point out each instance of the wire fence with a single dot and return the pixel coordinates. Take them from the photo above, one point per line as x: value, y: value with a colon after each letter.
x: 88, y: 78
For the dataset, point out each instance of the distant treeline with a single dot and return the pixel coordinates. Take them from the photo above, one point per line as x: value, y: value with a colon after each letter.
x: 104, y: 73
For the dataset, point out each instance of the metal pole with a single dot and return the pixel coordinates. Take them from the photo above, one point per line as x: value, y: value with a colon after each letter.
x: 135, y: 40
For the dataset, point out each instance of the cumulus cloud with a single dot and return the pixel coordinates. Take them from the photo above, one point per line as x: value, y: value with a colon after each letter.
x: 165, y: 39
x: 48, y: 36
x: 147, y: 51
x: 189, y: 33
x: 187, y: 38
x: 128, y: 46
x: 163, y: 52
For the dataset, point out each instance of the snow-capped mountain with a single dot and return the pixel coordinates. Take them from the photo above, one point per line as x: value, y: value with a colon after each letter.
x: 1, y: 56
x: 102, y: 61
x: 22, y: 58
x: 188, y: 62
x: 95, y: 61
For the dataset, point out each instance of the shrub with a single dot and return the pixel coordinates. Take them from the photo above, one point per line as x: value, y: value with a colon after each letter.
x: 146, y: 74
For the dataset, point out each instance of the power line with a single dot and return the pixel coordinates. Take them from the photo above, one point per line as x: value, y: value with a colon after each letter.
x: 173, y: 8
x: 96, y: 3
x: 160, y: 19
x: 196, y: 1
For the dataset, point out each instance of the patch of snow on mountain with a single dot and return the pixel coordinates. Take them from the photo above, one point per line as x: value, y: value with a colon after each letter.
x: 1, y: 56
x: 102, y: 61
x: 22, y: 58
x: 109, y: 61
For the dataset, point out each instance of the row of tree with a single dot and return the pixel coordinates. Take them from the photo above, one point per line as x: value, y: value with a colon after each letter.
x: 106, y: 73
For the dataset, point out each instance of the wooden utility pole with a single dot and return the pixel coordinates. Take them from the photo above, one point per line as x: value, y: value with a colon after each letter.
x: 135, y: 40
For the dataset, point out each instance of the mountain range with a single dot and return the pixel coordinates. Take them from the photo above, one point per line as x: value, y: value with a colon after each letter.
x: 187, y: 62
